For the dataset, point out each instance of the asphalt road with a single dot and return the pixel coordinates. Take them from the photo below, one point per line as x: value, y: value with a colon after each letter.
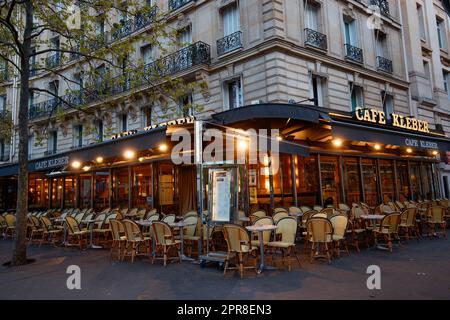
x: 413, y: 271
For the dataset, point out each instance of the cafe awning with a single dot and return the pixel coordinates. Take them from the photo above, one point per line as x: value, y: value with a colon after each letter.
x: 359, y: 132
x: 108, y: 149
x: 273, y: 116
x: 270, y: 111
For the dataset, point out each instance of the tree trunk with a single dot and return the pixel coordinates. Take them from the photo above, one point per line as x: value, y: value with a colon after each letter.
x: 20, y: 246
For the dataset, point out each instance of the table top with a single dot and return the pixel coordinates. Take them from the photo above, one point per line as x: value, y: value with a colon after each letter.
x: 261, y: 228
x: 144, y: 222
x: 89, y: 221
x: 372, y: 216
x: 180, y: 224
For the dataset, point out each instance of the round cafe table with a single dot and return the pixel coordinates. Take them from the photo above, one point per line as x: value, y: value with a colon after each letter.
x: 260, y: 230
x: 181, y: 225
x: 91, y: 222
x: 146, y: 223
x: 374, y: 218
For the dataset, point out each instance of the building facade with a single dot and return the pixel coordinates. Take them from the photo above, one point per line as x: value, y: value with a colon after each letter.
x: 389, y: 56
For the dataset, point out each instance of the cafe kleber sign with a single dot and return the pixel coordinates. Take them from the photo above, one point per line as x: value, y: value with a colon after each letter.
x: 379, y: 117
x: 180, y: 121
x: 51, y: 163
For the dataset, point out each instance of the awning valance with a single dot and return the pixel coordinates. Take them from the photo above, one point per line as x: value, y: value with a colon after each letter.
x: 356, y: 132
x: 108, y: 149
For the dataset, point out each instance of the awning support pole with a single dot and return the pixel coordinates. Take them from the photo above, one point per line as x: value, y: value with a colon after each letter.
x: 198, y: 150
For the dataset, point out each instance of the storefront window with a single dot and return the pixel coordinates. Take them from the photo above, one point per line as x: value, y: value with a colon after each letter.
x: 331, y: 183
x: 70, y: 184
x: 120, y: 187
x: 142, y: 187
x: 57, y: 189
x: 282, y: 180
x: 415, y: 180
x: 37, y: 191
x: 85, y: 190
x: 166, y: 184
x: 369, y: 173
x: 352, y: 180
x: 437, y: 188
x: 307, y: 180
x: 403, y: 180
x: 428, y: 190
x: 101, y: 190
x: 387, y: 180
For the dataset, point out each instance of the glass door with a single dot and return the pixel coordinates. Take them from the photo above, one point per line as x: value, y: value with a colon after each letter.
x: 331, y: 183
x: 370, y: 181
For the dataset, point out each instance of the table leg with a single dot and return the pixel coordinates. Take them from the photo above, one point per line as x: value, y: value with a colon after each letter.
x: 261, y: 248
x: 91, y: 245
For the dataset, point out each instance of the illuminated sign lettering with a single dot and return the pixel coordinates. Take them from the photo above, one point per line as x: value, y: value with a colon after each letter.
x: 379, y: 117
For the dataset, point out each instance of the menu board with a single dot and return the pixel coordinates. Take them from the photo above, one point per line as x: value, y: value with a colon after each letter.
x: 221, y: 195
x: 166, y: 189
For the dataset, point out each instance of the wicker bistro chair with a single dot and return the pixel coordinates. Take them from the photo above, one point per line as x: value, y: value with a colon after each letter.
x: 100, y: 229
x: 279, y: 209
x: 134, y: 240
x: 388, y: 229
x: 408, y: 223
x: 35, y: 228
x: 305, y: 208
x: 190, y: 214
x: 287, y: 229
x: 344, y: 207
x: 329, y: 212
x: 3, y: 226
x: 339, y: 223
x: 279, y: 215
x: 191, y: 235
x: 318, y: 208
x: 294, y: 210
x: 165, y: 240
x: 75, y: 231
x: 239, y: 247
x: 319, y: 233
x: 435, y: 216
x: 50, y: 232
x: 10, y: 225
x: 150, y: 213
x: 356, y: 227
x: 170, y: 218
x: 141, y: 214
x: 118, y: 237
x: 256, y: 215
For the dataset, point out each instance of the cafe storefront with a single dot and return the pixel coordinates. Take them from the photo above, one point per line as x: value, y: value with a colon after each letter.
x: 324, y: 158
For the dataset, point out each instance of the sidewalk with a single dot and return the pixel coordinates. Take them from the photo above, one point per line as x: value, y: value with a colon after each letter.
x: 414, y: 271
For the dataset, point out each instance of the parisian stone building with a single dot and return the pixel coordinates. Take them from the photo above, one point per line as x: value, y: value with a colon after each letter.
x: 336, y: 55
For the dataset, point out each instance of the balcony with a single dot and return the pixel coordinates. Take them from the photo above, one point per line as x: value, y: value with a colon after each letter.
x: 196, y: 54
x: 33, y: 69
x: 43, y: 109
x: 383, y: 5
x: 229, y: 43
x: 354, y: 53
x: 384, y: 64
x: 125, y: 29
x: 177, y: 4
x: 50, y: 152
x: 144, y: 19
x: 53, y: 61
x: 315, y: 39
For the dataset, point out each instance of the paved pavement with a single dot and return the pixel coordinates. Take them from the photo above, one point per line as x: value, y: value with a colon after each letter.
x: 414, y: 271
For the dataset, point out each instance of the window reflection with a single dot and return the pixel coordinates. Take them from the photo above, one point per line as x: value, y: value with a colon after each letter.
x: 329, y: 167
x: 387, y: 180
x: 369, y: 173
x: 352, y: 180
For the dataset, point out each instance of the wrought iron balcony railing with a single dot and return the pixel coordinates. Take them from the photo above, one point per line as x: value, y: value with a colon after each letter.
x: 229, y: 43
x: 42, y: 109
x: 176, y: 4
x: 125, y: 29
x: 53, y: 61
x: 196, y: 54
x: 383, y: 5
x: 145, y: 19
x: 315, y: 39
x: 384, y: 64
x: 354, y: 53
